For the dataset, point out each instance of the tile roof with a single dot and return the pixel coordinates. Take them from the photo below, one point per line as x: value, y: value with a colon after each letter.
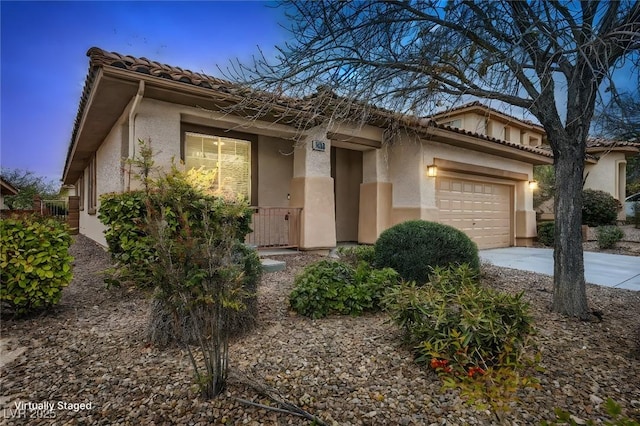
x: 610, y: 143
x: 99, y: 58
x: 480, y: 105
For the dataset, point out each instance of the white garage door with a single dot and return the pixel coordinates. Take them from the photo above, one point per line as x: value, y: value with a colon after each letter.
x: 481, y: 209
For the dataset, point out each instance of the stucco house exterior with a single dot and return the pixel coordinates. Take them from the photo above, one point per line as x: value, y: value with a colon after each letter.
x: 605, y: 163
x: 348, y: 181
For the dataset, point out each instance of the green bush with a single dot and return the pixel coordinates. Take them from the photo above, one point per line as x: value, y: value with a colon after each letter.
x: 334, y: 287
x: 129, y: 245
x: 355, y: 254
x: 608, y: 236
x: 598, y: 208
x: 546, y: 233
x: 456, y: 320
x: 35, y: 264
x: 248, y: 258
x: 414, y: 247
x: 127, y: 233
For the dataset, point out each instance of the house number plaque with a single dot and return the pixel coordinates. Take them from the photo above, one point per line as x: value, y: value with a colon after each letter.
x: 318, y: 146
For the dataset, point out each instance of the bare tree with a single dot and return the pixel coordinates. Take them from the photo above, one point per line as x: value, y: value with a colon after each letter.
x: 619, y: 118
x: 550, y: 58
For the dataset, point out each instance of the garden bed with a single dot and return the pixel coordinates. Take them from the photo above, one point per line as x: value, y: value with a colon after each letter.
x: 92, y: 349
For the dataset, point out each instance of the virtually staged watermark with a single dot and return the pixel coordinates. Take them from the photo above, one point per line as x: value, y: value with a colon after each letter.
x: 43, y: 410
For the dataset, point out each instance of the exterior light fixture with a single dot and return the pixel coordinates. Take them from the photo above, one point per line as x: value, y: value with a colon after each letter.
x: 533, y: 185
x: 432, y: 171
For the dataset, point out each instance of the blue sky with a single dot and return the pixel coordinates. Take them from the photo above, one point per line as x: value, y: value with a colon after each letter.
x: 43, y: 60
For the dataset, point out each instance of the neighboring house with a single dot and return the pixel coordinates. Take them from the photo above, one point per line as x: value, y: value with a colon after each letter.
x: 605, y: 163
x: 6, y: 189
x: 350, y: 180
x: 609, y: 170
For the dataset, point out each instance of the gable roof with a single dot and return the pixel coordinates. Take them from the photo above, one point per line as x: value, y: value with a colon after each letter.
x: 113, y: 81
x: 482, y: 109
x: 6, y: 188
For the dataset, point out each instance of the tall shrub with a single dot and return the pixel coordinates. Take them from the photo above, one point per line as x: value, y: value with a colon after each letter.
x: 197, y: 278
x: 123, y: 215
x: 598, y: 208
x: 186, y: 241
x: 35, y: 264
x: 414, y: 247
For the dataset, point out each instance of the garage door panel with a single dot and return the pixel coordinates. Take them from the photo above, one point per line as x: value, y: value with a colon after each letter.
x: 481, y: 210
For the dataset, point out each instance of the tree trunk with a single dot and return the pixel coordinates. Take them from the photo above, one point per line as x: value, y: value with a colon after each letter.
x: 569, y: 289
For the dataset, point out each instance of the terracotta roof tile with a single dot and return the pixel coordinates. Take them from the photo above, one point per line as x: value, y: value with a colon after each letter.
x: 99, y: 58
x: 480, y: 105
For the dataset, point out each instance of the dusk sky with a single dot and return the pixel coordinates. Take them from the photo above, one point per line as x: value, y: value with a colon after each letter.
x: 43, y: 61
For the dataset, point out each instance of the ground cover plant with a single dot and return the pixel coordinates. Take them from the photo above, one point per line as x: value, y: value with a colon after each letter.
x: 334, y: 287
x: 608, y: 236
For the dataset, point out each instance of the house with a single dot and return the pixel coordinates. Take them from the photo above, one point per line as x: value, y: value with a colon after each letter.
x: 6, y: 189
x: 605, y: 163
x: 331, y: 181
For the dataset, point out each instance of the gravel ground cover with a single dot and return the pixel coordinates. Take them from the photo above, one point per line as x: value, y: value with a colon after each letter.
x: 92, y: 349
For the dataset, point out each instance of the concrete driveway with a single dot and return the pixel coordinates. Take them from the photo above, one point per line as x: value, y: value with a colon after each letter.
x: 609, y: 270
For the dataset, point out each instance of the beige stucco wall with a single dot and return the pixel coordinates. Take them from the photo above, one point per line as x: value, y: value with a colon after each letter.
x: 603, y: 176
x: 608, y: 175
x: 108, y: 179
x: 312, y: 188
x: 159, y: 123
x: 376, y: 195
x: 414, y: 194
x: 275, y: 169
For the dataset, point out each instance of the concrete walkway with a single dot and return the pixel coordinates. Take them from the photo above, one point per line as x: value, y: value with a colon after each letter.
x: 609, y: 270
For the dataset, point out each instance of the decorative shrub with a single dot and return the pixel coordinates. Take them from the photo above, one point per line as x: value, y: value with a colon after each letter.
x: 355, y: 254
x: 129, y: 245
x: 546, y: 233
x: 190, y: 250
x: 608, y: 236
x: 598, y: 208
x: 414, y: 247
x: 453, y: 318
x: 35, y: 264
x: 334, y: 287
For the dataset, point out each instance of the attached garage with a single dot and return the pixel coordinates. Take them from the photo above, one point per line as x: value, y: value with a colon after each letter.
x: 483, y: 210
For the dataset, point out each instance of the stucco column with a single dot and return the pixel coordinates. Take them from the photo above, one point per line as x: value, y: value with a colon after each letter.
x: 525, y: 225
x: 375, y: 196
x: 312, y: 189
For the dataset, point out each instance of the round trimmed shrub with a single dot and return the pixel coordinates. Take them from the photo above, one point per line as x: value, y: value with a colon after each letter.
x: 546, y: 233
x: 598, y: 208
x: 414, y: 247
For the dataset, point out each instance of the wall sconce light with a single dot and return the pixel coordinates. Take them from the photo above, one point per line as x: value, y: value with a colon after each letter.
x: 533, y: 185
x: 432, y: 171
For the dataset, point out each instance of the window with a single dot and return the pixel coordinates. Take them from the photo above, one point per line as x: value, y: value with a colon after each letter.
x: 229, y: 156
x: 507, y: 133
x: 91, y: 190
x: 80, y: 191
x: 453, y: 123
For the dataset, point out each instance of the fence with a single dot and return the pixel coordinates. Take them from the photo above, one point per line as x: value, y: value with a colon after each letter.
x: 275, y: 227
x: 67, y: 211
